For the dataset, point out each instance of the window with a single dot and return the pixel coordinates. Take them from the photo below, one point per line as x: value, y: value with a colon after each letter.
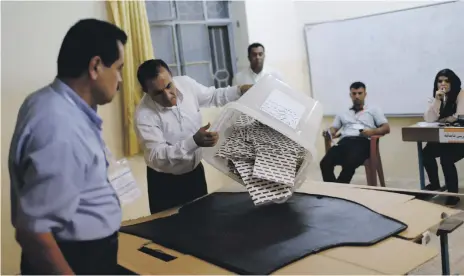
x: 194, y: 38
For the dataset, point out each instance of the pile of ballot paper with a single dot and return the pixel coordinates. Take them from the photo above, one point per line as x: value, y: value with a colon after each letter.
x: 266, y: 160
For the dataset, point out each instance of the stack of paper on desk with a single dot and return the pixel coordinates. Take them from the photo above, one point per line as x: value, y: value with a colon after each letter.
x: 263, y: 158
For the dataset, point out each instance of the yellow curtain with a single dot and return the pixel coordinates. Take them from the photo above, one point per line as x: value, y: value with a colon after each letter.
x: 131, y: 16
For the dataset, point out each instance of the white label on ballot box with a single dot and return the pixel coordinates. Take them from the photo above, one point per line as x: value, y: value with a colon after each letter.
x: 451, y: 135
x: 123, y: 181
x: 283, y: 108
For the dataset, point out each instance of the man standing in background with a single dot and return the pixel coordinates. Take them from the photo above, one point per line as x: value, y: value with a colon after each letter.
x: 256, y: 70
x: 65, y: 212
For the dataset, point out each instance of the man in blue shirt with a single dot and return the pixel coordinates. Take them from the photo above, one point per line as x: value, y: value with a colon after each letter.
x: 65, y: 211
x: 355, y: 126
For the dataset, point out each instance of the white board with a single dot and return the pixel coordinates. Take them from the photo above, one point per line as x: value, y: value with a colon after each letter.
x: 396, y: 55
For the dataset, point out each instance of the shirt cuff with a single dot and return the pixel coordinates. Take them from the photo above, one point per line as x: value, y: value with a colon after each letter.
x: 190, y: 145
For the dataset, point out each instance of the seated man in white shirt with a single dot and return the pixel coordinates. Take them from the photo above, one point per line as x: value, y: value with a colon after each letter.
x: 356, y: 125
x: 168, y: 124
x: 256, y: 70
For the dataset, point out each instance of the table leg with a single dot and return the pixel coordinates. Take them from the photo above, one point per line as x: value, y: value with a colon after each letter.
x: 445, y: 266
x: 421, y: 165
x: 447, y: 226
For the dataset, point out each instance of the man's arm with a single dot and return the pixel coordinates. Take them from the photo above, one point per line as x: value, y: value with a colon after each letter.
x: 43, y: 253
x: 382, y: 130
x: 158, y: 154
x: 214, y: 97
x: 49, y: 196
x: 336, y: 125
x: 380, y: 121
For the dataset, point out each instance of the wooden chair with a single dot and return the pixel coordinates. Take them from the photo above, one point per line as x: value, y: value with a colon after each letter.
x: 373, y: 165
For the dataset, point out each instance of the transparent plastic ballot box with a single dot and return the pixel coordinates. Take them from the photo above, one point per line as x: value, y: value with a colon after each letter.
x: 275, y: 104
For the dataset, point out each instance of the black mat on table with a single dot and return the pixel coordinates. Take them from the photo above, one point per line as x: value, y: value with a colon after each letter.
x: 227, y: 230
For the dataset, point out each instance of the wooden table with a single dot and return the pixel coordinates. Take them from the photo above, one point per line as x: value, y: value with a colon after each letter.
x: 395, y: 255
x: 425, y: 133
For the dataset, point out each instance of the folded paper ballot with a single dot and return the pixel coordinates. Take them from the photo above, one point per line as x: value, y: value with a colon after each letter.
x: 266, y: 160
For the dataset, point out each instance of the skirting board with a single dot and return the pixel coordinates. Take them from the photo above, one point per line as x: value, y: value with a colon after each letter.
x: 387, y: 189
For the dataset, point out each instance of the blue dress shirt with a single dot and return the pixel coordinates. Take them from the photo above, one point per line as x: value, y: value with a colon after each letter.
x: 58, y: 168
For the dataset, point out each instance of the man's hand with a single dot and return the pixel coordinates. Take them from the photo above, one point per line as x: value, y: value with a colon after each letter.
x: 204, y: 138
x: 325, y: 133
x: 244, y: 88
x: 368, y: 132
x: 332, y: 131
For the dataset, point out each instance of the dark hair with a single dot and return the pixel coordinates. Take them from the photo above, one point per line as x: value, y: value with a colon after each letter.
x: 450, y: 107
x: 254, y: 45
x: 150, y: 69
x: 86, y: 39
x: 357, y: 85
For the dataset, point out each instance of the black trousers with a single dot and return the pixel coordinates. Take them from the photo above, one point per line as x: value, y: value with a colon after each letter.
x: 449, y: 154
x: 96, y: 257
x: 350, y: 153
x: 166, y: 190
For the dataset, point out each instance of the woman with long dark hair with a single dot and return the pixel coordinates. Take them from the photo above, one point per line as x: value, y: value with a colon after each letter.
x: 447, y: 105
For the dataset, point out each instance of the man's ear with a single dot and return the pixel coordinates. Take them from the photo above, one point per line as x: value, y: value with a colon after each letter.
x: 95, y: 65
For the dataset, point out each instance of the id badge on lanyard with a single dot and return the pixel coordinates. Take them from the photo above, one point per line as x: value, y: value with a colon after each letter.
x: 358, y: 125
x: 119, y: 172
x: 121, y: 178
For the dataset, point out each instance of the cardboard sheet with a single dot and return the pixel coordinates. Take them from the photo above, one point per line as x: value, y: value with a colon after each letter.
x: 398, y: 256
x: 229, y: 231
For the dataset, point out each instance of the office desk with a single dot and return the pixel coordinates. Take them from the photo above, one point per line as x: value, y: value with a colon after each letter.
x: 425, y: 133
x: 395, y: 255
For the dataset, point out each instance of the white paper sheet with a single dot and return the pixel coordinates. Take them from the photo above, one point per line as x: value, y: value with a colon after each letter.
x: 451, y: 135
x: 123, y: 182
x: 283, y: 108
x: 426, y: 124
x: 265, y: 160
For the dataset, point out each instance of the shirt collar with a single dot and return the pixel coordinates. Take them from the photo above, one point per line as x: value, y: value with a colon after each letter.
x: 254, y: 74
x: 364, y: 108
x: 67, y: 92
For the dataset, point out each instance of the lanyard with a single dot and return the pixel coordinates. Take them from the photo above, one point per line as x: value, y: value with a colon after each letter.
x: 179, y: 117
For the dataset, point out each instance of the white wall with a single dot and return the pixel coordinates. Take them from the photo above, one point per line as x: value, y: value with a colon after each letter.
x: 279, y: 26
x: 274, y: 24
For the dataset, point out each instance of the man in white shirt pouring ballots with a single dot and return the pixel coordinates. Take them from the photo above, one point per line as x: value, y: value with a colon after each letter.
x: 169, y: 128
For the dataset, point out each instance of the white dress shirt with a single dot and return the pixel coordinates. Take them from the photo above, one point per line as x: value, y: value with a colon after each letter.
x: 166, y: 133
x: 247, y: 76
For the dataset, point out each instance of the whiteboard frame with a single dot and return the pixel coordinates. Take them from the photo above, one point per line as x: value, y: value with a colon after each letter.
x: 308, y: 26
